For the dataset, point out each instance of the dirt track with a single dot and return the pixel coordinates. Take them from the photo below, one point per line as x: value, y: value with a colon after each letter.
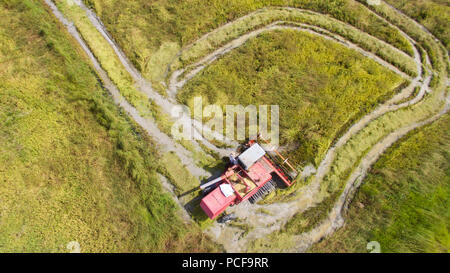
x: 264, y: 224
x: 278, y: 214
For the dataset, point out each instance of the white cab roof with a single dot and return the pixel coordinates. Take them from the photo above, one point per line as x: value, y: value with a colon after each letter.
x: 251, y: 155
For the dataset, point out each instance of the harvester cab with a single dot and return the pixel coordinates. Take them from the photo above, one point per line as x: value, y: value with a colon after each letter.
x: 252, y: 175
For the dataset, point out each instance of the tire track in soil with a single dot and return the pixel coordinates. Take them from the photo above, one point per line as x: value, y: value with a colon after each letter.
x: 264, y: 224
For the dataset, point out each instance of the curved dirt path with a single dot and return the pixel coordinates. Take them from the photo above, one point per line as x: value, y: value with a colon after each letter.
x: 335, y: 219
x: 264, y: 223
x: 175, y: 84
x: 278, y: 214
x: 275, y: 215
x: 165, y: 143
x: 143, y: 84
x: 268, y: 9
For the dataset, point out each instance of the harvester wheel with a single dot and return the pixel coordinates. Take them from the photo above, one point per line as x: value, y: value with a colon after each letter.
x: 226, y: 218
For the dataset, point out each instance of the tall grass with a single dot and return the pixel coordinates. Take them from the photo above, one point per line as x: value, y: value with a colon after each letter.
x: 403, y: 203
x: 318, y: 84
x: 433, y: 14
x: 269, y: 15
x: 108, y: 59
x: 419, y: 235
x: 73, y: 167
x: 147, y: 31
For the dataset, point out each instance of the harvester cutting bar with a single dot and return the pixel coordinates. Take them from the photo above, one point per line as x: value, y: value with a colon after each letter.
x: 263, y: 191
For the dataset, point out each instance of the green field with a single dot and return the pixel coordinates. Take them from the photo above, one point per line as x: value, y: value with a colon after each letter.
x: 403, y: 203
x: 152, y: 33
x: 319, y: 85
x: 433, y: 14
x: 73, y: 167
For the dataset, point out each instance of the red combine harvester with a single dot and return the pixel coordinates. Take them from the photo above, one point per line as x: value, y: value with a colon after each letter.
x: 252, y: 175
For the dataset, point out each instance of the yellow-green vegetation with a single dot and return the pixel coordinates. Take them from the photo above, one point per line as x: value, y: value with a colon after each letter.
x: 437, y: 53
x: 73, y: 167
x: 403, y: 203
x: 111, y: 64
x: 433, y: 14
x: 347, y: 159
x: 304, y: 222
x: 349, y: 155
x: 203, y: 156
x: 178, y: 174
x: 151, y: 33
x: 187, y: 186
x: 319, y: 85
x: 288, y: 16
